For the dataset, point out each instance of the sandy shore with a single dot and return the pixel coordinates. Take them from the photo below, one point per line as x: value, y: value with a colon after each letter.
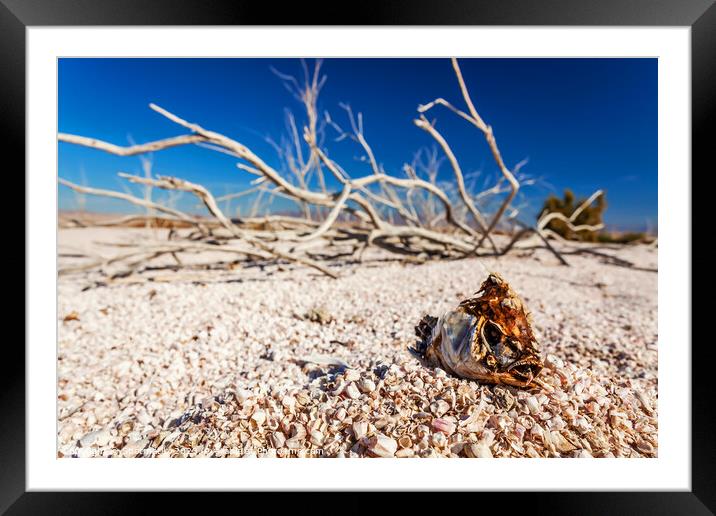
x: 280, y: 361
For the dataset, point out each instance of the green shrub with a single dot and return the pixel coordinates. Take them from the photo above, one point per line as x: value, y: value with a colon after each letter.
x: 591, y: 215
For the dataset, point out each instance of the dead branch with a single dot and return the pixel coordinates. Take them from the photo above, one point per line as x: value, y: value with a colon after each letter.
x: 546, y: 218
x: 340, y: 202
x: 527, y: 230
x: 478, y: 122
x: 134, y: 200
x: 400, y: 214
x: 425, y: 185
x: 133, y: 149
x: 172, y: 183
x: 423, y: 123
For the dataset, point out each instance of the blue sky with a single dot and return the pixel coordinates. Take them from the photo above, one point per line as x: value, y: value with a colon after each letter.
x: 581, y: 123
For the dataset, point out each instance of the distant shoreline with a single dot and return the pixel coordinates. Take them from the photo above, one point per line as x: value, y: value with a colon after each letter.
x: 93, y: 217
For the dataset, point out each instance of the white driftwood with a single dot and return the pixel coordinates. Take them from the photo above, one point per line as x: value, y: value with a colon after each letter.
x: 365, y: 210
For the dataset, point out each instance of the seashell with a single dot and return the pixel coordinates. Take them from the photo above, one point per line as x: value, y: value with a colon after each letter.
x: 404, y: 453
x: 526, y: 421
x: 578, y: 387
x: 557, y: 423
x: 497, y: 421
x: 479, y: 450
x: 439, y: 407
x: 553, y: 362
x: 644, y: 447
x: 582, y: 425
x: 421, y: 415
x: 503, y: 398
x: 316, y: 437
x: 242, y: 395
x: 382, y: 423
x: 277, y: 440
x: 487, y: 337
x: 134, y: 448
x: 96, y: 438
x: 530, y: 451
x: 561, y: 444
x: 160, y: 438
x: 352, y: 391
x: 303, y: 398
x: 259, y: 416
x: 444, y: 425
x: 517, y: 447
x: 405, y: 442
x: 455, y: 438
x: 289, y: 402
x: 532, y: 405
x: 125, y: 427
x: 298, y: 431
x: 644, y: 402
x: 272, y: 423
x: 382, y: 446
x: 439, y: 440
x: 366, y: 385
x: 339, y: 387
x: 360, y: 429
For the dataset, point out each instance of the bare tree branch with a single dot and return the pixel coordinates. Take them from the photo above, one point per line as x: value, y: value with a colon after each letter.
x: 478, y: 122
x: 134, y: 200
x: 132, y: 150
x: 208, y: 199
x: 400, y: 214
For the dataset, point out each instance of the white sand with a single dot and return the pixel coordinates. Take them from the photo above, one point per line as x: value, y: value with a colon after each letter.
x: 214, y: 364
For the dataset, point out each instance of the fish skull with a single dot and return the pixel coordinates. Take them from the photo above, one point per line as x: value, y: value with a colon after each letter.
x: 487, y: 337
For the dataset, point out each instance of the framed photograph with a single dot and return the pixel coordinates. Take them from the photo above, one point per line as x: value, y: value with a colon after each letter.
x: 453, y: 232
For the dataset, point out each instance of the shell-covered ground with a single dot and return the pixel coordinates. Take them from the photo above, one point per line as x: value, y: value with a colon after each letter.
x: 280, y: 361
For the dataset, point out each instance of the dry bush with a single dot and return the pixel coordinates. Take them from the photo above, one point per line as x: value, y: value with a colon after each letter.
x: 411, y: 215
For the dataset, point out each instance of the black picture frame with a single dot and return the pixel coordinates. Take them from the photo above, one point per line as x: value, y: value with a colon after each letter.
x: 17, y: 15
